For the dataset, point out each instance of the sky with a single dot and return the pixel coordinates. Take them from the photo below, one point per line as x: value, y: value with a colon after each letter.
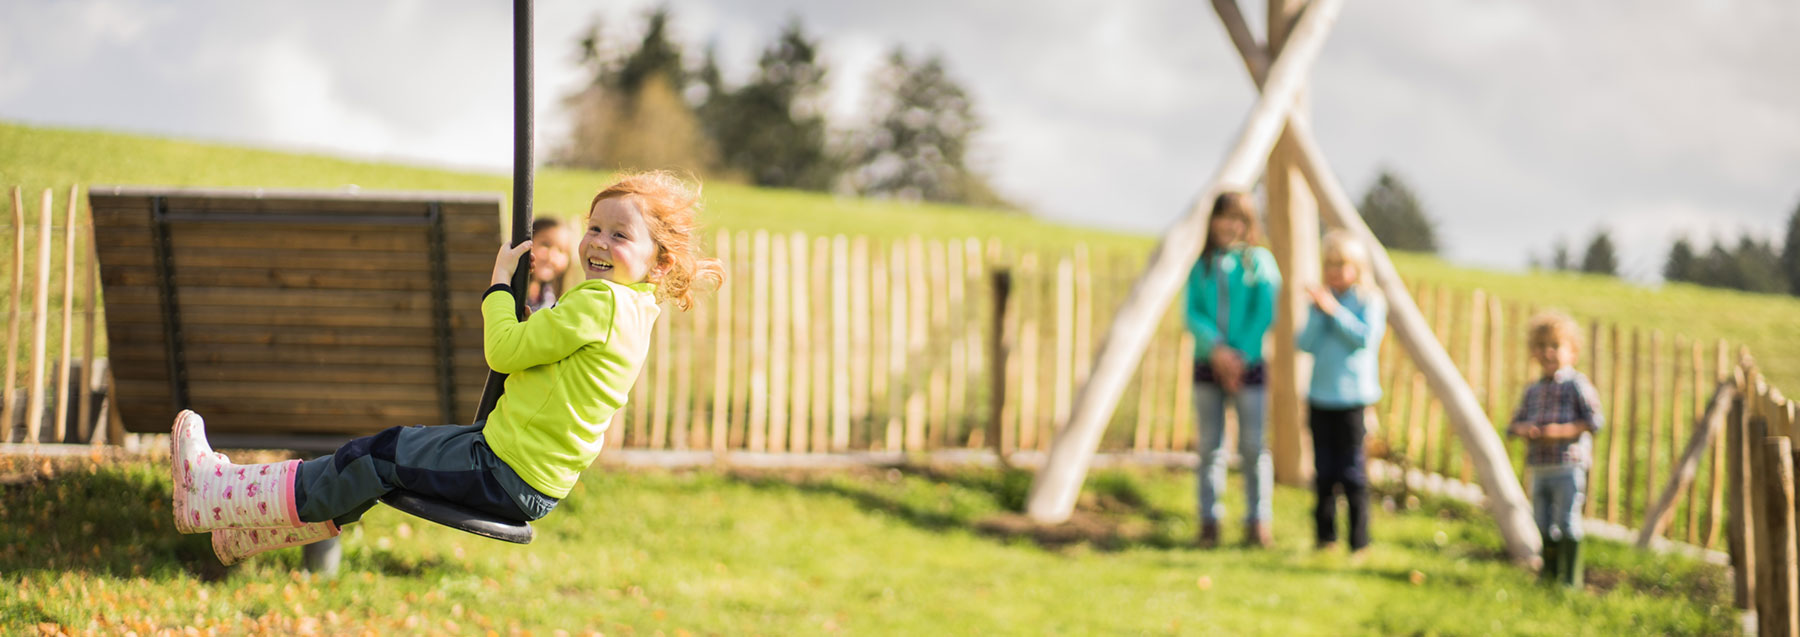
x: 1516, y: 123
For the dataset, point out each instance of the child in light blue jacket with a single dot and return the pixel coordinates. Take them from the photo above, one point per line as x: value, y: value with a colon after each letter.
x: 1343, y: 333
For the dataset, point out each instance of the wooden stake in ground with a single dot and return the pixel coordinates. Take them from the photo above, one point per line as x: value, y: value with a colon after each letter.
x: 14, y: 309
x: 68, y: 324
x: 40, y: 330
x: 1783, y: 593
x: 1053, y: 492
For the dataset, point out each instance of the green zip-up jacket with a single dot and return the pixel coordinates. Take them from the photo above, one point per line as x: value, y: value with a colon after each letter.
x: 1250, y: 295
x: 570, y: 369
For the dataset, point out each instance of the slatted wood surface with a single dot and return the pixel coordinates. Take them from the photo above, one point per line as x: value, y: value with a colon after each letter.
x: 300, y: 312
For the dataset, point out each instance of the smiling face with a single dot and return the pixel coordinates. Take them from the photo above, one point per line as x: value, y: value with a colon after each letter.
x: 617, y: 245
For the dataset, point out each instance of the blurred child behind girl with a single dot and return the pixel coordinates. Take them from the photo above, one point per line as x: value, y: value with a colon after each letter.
x: 549, y: 263
x: 1343, y: 333
x: 1558, y: 415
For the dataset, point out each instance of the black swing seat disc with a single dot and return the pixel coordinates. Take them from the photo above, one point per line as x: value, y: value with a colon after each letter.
x: 459, y: 517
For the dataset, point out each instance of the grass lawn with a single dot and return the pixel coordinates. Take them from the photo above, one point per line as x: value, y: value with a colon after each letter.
x: 88, y: 546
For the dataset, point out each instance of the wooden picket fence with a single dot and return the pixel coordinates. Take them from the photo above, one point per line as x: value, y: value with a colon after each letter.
x: 52, y: 393
x: 834, y: 344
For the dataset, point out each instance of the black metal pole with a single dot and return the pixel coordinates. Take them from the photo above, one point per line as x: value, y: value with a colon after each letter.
x: 522, y: 172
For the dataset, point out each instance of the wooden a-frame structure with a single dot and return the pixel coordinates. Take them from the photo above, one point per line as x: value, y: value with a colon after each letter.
x: 1299, y: 183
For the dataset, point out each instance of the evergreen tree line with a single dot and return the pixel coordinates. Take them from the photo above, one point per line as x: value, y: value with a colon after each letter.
x: 1400, y: 222
x: 1748, y: 264
x: 647, y: 106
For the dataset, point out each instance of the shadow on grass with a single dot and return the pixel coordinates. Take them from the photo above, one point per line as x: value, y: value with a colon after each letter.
x: 1112, y: 514
x: 110, y: 519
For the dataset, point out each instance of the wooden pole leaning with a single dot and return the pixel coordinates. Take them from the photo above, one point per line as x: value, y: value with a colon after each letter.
x: 1054, y: 491
x: 1506, y: 500
x: 1657, y: 519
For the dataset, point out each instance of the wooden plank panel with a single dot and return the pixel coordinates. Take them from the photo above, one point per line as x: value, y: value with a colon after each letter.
x: 253, y: 416
x: 286, y: 391
x: 195, y: 316
x: 151, y: 353
x: 302, y: 336
x: 138, y: 220
x: 288, y: 278
x: 267, y: 372
x: 122, y: 296
x: 411, y: 264
x: 370, y: 238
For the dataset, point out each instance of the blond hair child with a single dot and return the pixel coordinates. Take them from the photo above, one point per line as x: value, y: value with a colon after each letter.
x: 1557, y: 417
x: 571, y: 367
x: 1343, y: 333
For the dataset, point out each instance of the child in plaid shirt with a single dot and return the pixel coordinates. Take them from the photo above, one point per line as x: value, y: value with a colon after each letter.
x: 1557, y: 416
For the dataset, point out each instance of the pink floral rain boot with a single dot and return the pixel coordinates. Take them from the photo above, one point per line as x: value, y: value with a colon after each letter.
x: 234, y: 545
x: 212, y: 493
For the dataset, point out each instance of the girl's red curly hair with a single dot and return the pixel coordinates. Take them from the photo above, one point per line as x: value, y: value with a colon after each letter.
x: 671, y: 209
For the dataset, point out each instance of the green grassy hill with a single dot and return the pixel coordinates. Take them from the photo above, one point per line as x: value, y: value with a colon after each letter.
x: 38, y: 158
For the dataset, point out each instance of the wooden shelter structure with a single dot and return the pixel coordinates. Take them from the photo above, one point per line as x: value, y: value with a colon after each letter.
x: 322, y: 313
x: 1276, y: 142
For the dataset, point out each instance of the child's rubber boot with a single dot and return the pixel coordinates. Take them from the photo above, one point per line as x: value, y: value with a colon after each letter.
x: 234, y: 545
x: 1569, y: 572
x: 212, y: 493
x: 1552, y: 554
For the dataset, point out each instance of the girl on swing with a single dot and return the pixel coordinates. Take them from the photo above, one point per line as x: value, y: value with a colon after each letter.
x: 571, y: 367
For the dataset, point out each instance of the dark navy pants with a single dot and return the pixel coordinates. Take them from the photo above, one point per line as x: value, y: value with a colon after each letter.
x: 448, y: 462
x: 1337, y: 436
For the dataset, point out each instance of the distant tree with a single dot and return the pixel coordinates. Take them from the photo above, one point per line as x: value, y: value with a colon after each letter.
x: 772, y: 130
x: 1559, y: 256
x: 1757, y: 267
x: 1790, y: 253
x: 1681, y: 264
x: 1750, y: 265
x: 1599, y: 258
x: 1395, y: 216
x: 633, y: 113
x: 917, y: 147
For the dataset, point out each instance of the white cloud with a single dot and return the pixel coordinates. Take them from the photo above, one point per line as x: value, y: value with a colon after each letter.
x: 1516, y: 122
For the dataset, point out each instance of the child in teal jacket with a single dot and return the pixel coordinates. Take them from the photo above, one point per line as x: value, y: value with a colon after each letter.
x: 1230, y: 304
x: 571, y: 367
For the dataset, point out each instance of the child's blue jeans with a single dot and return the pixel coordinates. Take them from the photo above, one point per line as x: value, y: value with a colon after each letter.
x: 1557, y: 493
x: 447, y: 462
x: 1253, y: 455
